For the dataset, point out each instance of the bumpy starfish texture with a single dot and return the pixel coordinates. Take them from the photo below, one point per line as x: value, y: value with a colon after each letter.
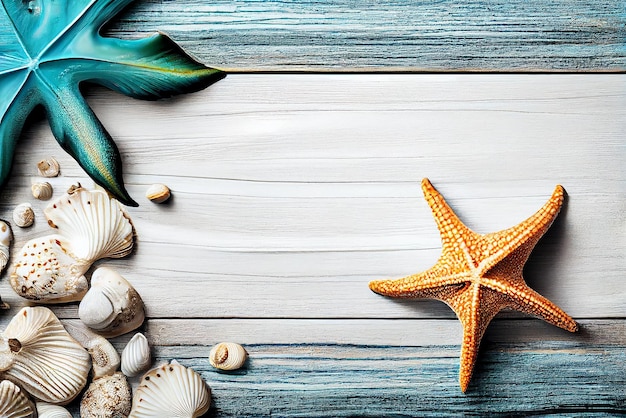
x: 479, y: 275
x: 49, y: 47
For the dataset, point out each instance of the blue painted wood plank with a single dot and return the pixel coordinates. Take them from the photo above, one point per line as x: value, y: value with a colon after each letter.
x: 352, y: 35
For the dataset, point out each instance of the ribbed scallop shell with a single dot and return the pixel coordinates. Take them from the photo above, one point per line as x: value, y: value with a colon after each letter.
x: 13, y: 403
x: 23, y: 215
x: 95, y: 225
x: 48, y: 167
x: 228, y: 356
x: 46, y: 410
x: 107, y: 397
x: 172, y: 391
x: 6, y: 236
x: 37, y: 352
x: 104, y: 357
x: 112, y: 306
x: 136, y: 356
x: 41, y: 191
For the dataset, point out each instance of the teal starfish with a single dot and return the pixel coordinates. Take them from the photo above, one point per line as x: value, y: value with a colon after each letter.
x: 48, y: 47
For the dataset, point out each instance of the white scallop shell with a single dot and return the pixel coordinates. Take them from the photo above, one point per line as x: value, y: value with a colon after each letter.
x: 23, y: 215
x: 37, y: 352
x: 172, y: 391
x: 104, y: 357
x: 158, y: 193
x: 41, y: 191
x: 112, y: 306
x: 136, y: 356
x: 228, y: 356
x: 14, y: 403
x: 90, y: 226
x: 46, y: 410
x: 6, y: 236
x: 107, y: 397
x: 48, y: 167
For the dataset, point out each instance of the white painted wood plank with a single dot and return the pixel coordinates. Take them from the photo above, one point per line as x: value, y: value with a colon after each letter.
x: 291, y: 192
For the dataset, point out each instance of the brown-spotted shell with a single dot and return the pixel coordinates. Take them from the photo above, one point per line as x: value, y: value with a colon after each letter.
x: 48, y: 167
x: 108, y: 396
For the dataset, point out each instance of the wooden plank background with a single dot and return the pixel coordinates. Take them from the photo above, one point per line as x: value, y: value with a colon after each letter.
x: 291, y: 192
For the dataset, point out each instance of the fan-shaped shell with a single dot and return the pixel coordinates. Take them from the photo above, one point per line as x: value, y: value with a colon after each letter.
x: 107, y: 397
x: 6, y: 236
x: 172, y: 391
x: 136, y: 356
x: 41, y: 191
x: 14, y: 403
x: 46, y: 410
x: 37, y: 352
x: 228, y: 356
x: 104, y: 357
x: 112, y: 306
x: 23, y: 215
x: 48, y: 167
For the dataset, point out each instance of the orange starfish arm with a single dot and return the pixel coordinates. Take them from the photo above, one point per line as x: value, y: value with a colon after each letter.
x: 428, y: 284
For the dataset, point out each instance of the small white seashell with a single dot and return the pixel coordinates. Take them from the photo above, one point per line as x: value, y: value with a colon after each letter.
x: 90, y: 226
x: 46, y: 410
x: 14, y: 403
x: 107, y: 397
x: 48, y: 167
x: 171, y: 391
x: 158, y: 193
x: 23, y: 215
x: 228, y: 356
x: 136, y: 356
x: 104, y: 357
x: 112, y: 306
x: 41, y: 191
x: 6, y: 236
x: 36, y: 351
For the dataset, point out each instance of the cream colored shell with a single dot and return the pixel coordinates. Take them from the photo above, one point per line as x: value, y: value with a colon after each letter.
x: 172, y: 391
x: 6, y: 236
x: 228, y: 356
x: 46, y: 410
x: 48, y: 167
x: 112, y: 306
x: 41, y: 191
x: 158, y: 193
x: 136, y: 356
x: 23, y: 215
x: 104, y: 357
x: 37, y: 352
x: 107, y: 397
x: 14, y: 403
x: 90, y: 226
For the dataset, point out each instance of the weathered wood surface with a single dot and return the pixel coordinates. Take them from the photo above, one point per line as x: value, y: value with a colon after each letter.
x: 291, y: 192
x: 354, y: 35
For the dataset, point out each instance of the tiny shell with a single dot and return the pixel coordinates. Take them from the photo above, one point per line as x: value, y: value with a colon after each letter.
x: 46, y: 410
x: 136, y: 356
x: 104, y: 357
x: 112, y: 306
x: 107, y: 397
x: 48, y: 167
x: 6, y: 236
x: 14, y: 403
x: 171, y: 391
x: 23, y: 215
x: 41, y: 191
x: 228, y: 356
x: 158, y: 193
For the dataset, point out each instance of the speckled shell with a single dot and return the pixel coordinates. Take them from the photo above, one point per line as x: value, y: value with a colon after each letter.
x: 14, y: 403
x: 172, y: 391
x: 48, y: 167
x: 90, y: 226
x: 107, y: 397
x: 46, y: 410
x: 6, y: 236
x: 23, y: 215
x: 158, y: 193
x: 37, y: 352
x: 136, y: 356
x: 41, y: 191
x: 112, y: 306
x: 228, y: 356
x: 104, y: 357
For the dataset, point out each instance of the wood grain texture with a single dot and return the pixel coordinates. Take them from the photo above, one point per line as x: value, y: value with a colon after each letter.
x: 291, y: 192
x: 352, y: 35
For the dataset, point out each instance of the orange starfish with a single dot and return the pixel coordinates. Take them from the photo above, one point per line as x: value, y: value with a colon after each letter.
x: 480, y: 275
